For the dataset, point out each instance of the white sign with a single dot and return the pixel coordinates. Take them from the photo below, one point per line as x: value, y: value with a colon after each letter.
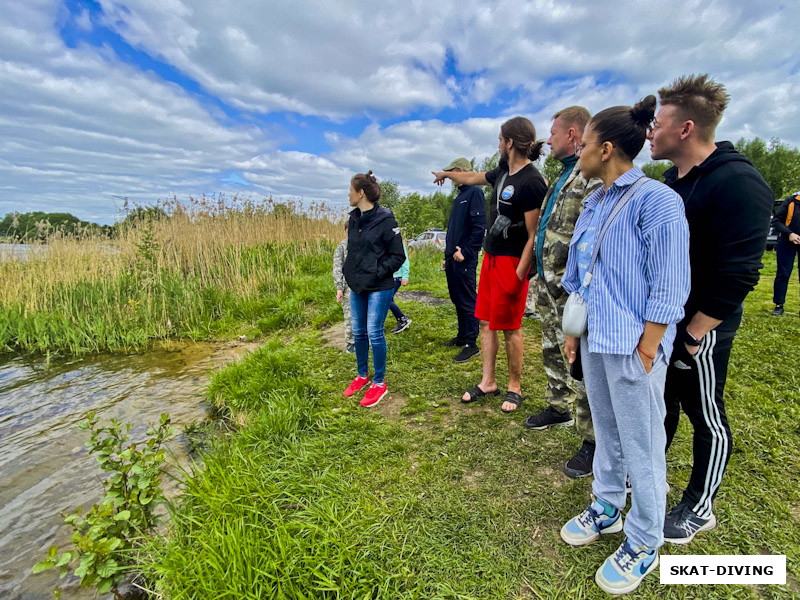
x: 702, y: 569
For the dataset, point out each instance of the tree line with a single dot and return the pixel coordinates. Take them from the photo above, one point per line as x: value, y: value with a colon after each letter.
x: 37, y: 226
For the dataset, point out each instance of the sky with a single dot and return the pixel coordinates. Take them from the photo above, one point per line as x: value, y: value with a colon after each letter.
x: 147, y: 100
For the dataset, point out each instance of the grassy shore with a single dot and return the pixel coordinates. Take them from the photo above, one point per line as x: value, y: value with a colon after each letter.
x: 208, y: 271
x: 422, y: 497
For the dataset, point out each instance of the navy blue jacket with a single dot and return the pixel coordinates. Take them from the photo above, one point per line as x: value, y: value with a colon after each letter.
x: 467, y: 223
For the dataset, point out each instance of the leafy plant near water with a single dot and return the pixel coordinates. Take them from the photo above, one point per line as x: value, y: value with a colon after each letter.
x: 107, y: 536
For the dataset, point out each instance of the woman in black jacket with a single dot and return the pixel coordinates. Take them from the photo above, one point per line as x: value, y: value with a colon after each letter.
x: 374, y: 253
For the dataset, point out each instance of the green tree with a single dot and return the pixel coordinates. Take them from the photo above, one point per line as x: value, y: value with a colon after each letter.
x: 552, y: 168
x: 777, y: 162
x: 417, y: 212
x: 39, y: 226
x: 142, y: 214
x: 655, y: 169
x: 390, y: 193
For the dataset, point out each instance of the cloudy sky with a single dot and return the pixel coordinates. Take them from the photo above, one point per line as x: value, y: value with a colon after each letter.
x: 143, y: 99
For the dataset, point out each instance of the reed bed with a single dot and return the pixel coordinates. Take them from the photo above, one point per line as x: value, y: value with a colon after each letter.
x: 205, y: 268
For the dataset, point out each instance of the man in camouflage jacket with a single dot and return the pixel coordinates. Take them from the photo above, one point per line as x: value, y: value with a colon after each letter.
x: 342, y: 291
x: 560, y: 210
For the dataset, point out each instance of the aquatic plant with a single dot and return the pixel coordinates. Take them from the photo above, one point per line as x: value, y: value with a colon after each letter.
x: 106, y: 538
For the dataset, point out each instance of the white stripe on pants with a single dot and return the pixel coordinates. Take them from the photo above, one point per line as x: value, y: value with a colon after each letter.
x: 719, y: 444
x: 628, y: 414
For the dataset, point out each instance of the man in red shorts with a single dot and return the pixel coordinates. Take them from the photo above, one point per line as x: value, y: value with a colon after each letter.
x: 517, y: 193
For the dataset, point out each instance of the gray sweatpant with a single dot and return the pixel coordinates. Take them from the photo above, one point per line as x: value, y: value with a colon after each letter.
x: 628, y: 412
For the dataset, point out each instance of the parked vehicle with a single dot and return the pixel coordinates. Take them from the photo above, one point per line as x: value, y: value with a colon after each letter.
x: 772, y: 237
x: 434, y: 238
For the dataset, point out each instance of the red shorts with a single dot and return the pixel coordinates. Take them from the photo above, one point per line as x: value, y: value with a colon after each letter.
x: 501, y: 295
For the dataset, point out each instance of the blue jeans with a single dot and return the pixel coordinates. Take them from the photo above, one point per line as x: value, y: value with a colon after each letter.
x: 398, y: 314
x: 369, y: 315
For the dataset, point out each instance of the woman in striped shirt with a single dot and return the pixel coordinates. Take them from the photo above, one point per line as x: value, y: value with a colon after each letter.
x: 638, y: 285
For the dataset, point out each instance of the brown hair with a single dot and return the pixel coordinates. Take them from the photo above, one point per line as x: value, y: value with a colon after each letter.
x: 574, y: 115
x: 625, y: 126
x: 368, y: 184
x: 697, y: 98
x: 523, y: 135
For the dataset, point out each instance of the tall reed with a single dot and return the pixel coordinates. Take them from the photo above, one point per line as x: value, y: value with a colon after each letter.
x: 185, y: 274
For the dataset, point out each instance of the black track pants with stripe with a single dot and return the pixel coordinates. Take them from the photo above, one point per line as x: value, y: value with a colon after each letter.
x: 696, y: 384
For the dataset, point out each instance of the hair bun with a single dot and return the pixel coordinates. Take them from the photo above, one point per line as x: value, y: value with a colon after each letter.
x: 643, y: 111
x: 371, y: 177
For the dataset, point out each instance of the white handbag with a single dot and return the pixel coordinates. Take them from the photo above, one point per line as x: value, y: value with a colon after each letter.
x: 575, y: 319
x: 576, y: 315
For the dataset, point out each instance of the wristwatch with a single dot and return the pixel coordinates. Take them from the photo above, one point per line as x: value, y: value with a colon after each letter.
x: 689, y: 339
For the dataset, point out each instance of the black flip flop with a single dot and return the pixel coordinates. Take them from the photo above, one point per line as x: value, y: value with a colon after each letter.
x: 514, y: 398
x: 475, y: 393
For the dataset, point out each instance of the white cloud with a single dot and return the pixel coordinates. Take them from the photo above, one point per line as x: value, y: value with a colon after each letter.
x: 79, y: 125
x: 326, y: 58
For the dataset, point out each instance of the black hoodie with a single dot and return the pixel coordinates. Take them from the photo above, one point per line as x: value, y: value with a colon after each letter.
x: 728, y: 207
x: 374, y: 250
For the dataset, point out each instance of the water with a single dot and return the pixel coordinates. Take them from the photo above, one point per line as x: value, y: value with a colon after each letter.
x: 44, y: 467
x: 18, y: 251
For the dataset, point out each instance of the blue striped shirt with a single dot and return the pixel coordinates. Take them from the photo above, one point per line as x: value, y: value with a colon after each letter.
x: 642, y: 271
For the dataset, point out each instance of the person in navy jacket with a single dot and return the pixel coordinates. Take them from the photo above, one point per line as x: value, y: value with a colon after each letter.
x: 465, y: 231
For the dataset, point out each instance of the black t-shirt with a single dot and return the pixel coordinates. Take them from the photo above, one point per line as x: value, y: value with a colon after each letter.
x: 522, y: 192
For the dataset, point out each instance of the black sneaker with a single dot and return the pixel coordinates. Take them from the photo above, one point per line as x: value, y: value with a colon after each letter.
x: 351, y: 348
x: 453, y: 342
x: 682, y: 524
x: 467, y: 352
x: 548, y: 418
x: 402, y: 325
x: 778, y: 310
x: 580, y: 465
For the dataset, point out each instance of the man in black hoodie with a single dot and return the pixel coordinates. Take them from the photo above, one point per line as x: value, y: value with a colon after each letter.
x: 728, y: 207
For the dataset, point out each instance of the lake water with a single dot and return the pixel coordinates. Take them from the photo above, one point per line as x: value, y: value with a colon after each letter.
x: 44, y: 467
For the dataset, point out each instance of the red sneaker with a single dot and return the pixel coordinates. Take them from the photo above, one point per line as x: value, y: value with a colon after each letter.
x: 374, y: 394
x: 358, y: 383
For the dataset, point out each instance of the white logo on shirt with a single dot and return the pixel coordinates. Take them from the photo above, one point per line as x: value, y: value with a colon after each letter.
x: 396, y: 230
x: 507, y: 192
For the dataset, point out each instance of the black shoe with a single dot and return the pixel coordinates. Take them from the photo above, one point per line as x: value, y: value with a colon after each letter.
x: 580, y: 465
x: 467, y: 352
x: 402, y: 325
x: 351, y: 348
x: 548, y: 418
x: 681, y: 524
x: 453, y: 342
x: 778, y: 310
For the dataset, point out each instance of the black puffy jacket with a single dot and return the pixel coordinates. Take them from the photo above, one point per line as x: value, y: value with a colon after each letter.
x: 779, y: 220
x: 374, y: 250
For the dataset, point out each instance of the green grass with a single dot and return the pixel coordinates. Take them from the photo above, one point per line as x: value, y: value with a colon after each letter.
x: 422, y: 497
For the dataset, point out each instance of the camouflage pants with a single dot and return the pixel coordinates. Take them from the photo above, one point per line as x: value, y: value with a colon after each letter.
x: 348, y: 321
x: 562, y: 389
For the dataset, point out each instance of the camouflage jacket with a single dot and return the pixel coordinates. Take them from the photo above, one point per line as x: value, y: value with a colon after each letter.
x: 561, y: 224
x: 339, y: 256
